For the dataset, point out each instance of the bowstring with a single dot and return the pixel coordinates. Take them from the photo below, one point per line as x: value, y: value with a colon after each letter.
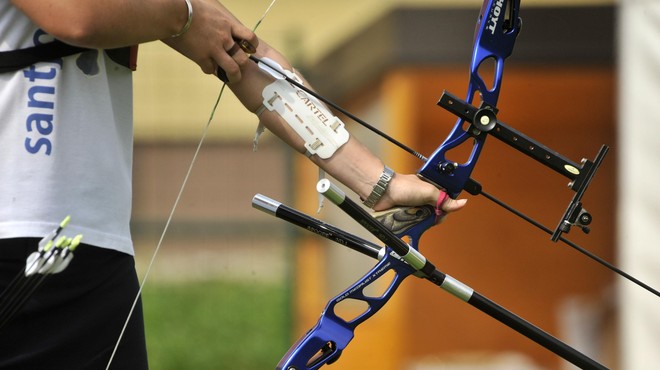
x: 205, y: 131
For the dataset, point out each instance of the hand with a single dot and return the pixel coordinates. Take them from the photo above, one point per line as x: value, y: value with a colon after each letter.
x: 210, y: 41
x: 410, y: 190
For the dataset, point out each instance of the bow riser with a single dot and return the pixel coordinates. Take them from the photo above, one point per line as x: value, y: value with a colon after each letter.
x: 497, y: 27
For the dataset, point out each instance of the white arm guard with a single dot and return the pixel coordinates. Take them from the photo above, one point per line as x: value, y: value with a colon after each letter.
x: 322, y: 131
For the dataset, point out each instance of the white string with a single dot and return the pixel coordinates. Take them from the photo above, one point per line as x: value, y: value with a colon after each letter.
x: 176, y: 203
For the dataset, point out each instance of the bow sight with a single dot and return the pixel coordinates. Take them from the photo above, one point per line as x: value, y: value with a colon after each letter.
x: 496, y: 31
x: 483, y: 121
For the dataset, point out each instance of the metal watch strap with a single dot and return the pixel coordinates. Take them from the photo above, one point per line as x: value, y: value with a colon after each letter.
x: 380, y: 187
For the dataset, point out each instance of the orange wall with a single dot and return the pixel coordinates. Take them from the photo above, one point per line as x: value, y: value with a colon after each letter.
x: 569, y: 109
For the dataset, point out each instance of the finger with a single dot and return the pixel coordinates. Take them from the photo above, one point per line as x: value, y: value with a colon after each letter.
x: 234, y: 49
x: 240, y: 32
x: 228, y: 75
x: 452, y: 205
x: 247, y: 39
x: 247, y: 46
x: 239, y: 53
x: 228, y: 69
x: 447, y: 205
x: 222, y: 75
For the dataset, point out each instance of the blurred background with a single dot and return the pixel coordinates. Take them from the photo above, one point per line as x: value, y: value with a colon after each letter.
x: 234, y: 288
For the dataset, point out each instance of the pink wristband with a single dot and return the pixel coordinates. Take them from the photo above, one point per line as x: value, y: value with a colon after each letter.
x: 439, y: 213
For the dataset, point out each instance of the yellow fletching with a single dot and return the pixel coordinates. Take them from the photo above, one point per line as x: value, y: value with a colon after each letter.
x: 65, y: 221
x: 75, y: 242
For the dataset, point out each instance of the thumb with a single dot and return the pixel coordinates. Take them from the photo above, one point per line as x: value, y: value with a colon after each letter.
x: 452, y: 205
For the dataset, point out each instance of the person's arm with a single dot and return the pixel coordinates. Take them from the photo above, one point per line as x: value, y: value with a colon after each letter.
x: 117, y: 23
x: 108, y: 24
x: 352, y: 164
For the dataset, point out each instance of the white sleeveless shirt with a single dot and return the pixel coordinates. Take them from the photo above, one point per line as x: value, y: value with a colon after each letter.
x: 66, y: 138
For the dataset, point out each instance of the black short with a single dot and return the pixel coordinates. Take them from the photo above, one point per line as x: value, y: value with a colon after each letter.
x: 75, y: 317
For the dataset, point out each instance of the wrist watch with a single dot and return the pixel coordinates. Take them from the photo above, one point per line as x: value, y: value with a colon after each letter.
x: 380, y: 187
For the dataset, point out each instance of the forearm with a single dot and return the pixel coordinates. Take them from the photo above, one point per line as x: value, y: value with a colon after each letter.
x: 352, y: 164
x: 106, y: 24
x: 117, y: 23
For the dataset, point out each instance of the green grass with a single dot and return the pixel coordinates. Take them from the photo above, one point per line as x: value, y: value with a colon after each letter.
x: 215, y: 325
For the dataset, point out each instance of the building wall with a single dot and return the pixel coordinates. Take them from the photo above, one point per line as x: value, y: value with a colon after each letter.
x: 501, y: 256
x: 215, y: 232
